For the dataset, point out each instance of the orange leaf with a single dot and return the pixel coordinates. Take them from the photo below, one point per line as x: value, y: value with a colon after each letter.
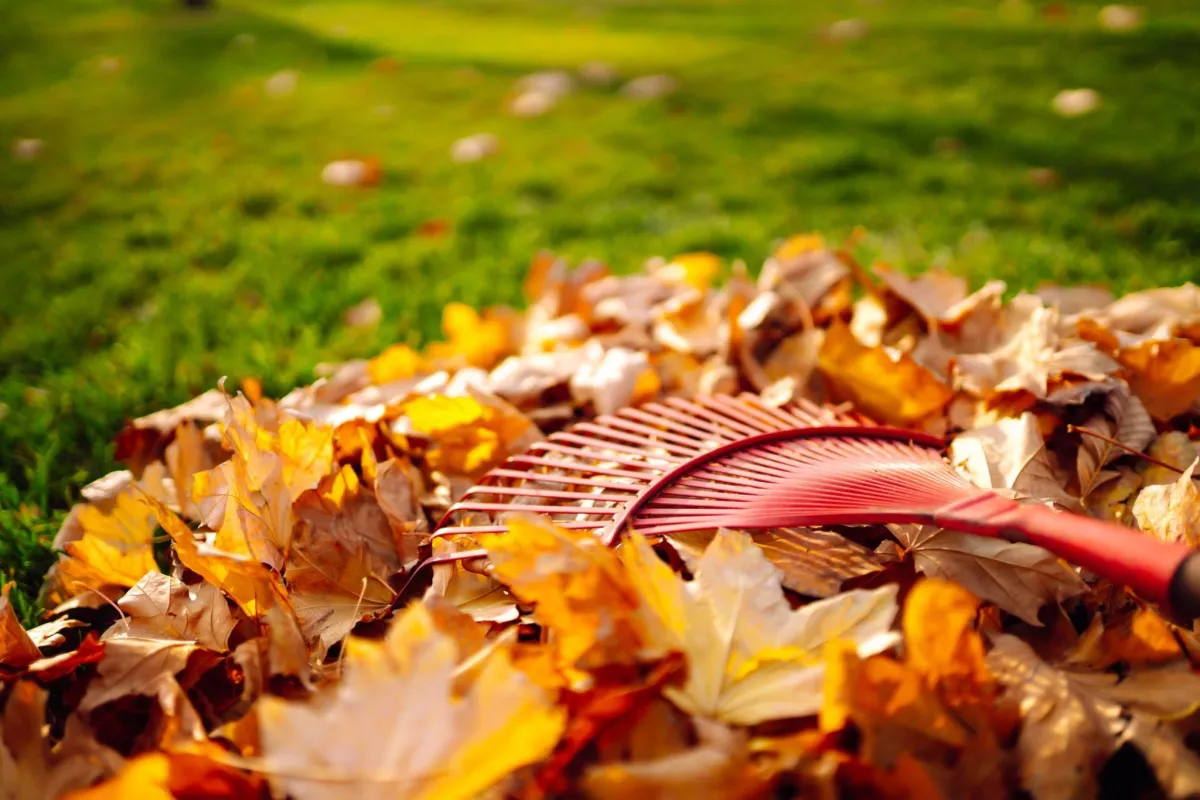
x: 889, y: 388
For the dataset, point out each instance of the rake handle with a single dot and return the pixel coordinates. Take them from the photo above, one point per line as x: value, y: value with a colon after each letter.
x: 1167, y: 573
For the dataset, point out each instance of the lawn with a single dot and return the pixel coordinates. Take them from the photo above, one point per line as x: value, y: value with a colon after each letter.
x: 175, y: 228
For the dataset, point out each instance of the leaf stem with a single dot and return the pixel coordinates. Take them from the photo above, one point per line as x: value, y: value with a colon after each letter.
x: 1104, y: 438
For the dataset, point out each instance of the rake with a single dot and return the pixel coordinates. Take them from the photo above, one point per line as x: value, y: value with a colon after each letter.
x: 720, y: 461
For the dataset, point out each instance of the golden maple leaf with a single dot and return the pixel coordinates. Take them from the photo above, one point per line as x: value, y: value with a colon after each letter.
x: 17, y: 650
x: 395, y: 724
x: 750, y: 657
x: 248, y: 499
x: 114, y: 550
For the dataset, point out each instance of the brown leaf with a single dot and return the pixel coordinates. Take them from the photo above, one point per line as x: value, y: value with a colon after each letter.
x: 30, y: 769
x: 132, y: 666
x: 814, y: 562
x: 1020, y: 578
x: 1010, y: 455
x: 1126, y: 421
x: 1072, y: 722
x: 163, y: 607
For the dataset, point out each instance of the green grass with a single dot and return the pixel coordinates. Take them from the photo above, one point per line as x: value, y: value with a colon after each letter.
x: 175, y: 228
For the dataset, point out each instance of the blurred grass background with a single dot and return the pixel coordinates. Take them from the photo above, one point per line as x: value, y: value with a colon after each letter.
x: 175, y: 229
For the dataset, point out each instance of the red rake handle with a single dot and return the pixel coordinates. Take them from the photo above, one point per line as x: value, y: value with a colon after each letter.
x: 1166, y: 573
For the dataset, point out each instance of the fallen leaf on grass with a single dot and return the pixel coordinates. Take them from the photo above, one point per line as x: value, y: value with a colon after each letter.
x: 113, y: 550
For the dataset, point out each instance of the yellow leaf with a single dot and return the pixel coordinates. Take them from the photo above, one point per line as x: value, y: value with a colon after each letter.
x: 750, y: 656
x: 478, y: 341
x: 247, y: 582
x: 115, y: 549
x: 1163, y: 373
x: 891, y: 389
x: 942, y: 645
x: 248, y: 499
x: 394, y: 723
x: 579, y: 586
x: 798, y: 245
x: 166, y: 776
x: 697, y: 270
x: 397, y: 362
x: 470, y: 437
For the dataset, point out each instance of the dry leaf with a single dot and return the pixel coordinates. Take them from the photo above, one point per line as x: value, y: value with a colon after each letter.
x: 473, y: 593
x: 471, y: 437
x: 17, y: 650
x: 814, y: 562
x: 1127, y: 422
x: 750, y: 657
x: 114, y: 549
x: 1072, y: 722
x: 162, y: 607
x: 166, y: 776
x: 1010, y: 455
x: 1171, y: 513
x: 30, y: 769
x: 1020, y: 578
x: 395, y: 723
x: 889, y: 388
x: 132, y: 666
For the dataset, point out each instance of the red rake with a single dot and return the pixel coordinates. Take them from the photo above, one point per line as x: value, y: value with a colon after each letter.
x: 721, y: 461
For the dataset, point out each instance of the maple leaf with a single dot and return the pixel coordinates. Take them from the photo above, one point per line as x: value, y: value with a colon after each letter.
x: 580, y: 587
x: 473, y: 593
x: 1176, y: 451
x: 397, y: 362
x: 891, y: 388
x: 162, y: 607
x: 1010, y: 454
x: 395, y: 723
x: 248, y: 499
x: 166, y: 776
x: 750, y: 657
x: 1172, y: 512
x: 1163, y: 372
x: 135, y: 665
x: 1072, y: 722
x: 1020, y: 578
x: 814, y: 562
x: 114, y: 548
x: 1035, y: 357
x: 247, y: 582
x: 30, y: 769
x: 1127, y: 422
x: 17, y: 649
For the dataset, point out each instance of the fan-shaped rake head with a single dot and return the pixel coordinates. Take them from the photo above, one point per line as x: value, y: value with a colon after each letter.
x: 721, y: 461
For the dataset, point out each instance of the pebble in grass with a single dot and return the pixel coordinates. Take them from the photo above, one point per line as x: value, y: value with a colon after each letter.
x: 650, y: 87
x: 27, y: 149
x: 1119, y: 18
x: 282, y: 83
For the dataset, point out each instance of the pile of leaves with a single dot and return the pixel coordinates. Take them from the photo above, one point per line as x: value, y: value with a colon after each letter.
x: 238, y: 614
